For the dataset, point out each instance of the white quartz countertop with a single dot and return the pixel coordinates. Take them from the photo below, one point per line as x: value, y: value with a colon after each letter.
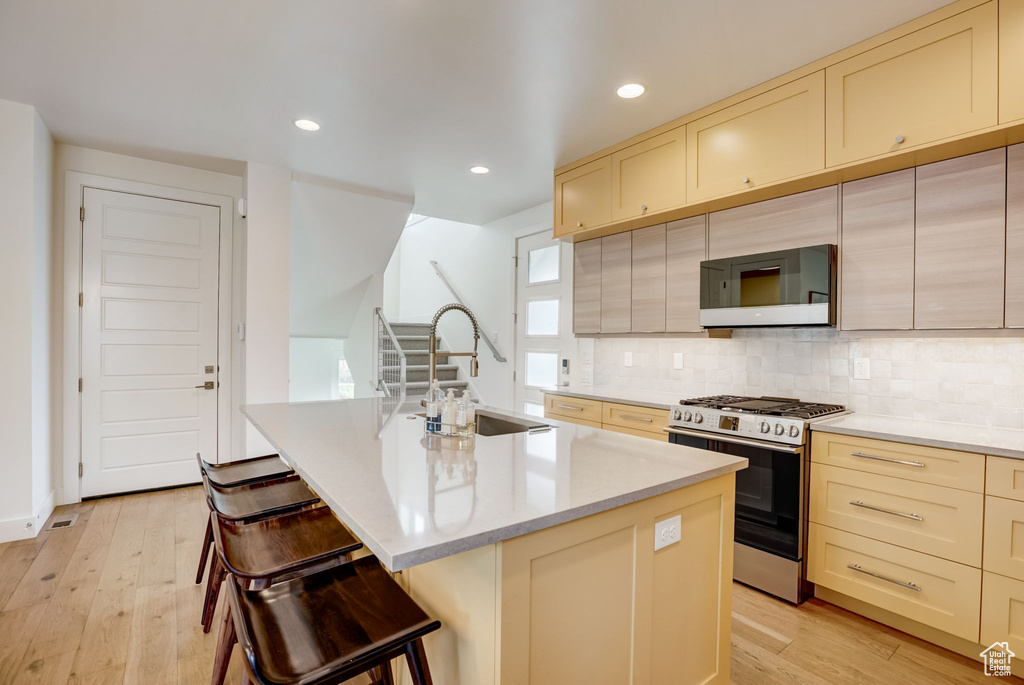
x: 1006, y: 442
x: 639, y: 398
x: 411, y: 503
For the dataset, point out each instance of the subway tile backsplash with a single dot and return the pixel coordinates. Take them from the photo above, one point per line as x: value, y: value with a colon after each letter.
x: 967, y: 380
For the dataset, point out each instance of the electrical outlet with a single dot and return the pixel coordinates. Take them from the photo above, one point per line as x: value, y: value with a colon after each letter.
x: 677, y: 360
x: 862, y: 369
x: 667, y: 532
x: 628, y: 361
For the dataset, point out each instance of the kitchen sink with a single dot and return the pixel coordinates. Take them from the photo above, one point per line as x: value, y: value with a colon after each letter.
x: 489, y: 423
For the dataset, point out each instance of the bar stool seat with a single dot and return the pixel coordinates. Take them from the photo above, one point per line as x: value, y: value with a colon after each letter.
x: 325, y: 628
x: 259, y: 500
x: 244, y: 471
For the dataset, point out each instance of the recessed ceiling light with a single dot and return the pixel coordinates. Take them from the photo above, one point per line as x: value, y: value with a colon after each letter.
x: 630, y: 90
x: 307, y: 124
x: 479, y: 169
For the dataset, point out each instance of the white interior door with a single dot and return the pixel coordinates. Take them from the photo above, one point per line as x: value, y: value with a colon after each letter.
x: 149, y: 338
x: 544, y: 336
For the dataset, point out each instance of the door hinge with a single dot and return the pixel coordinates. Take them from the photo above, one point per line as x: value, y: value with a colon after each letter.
x: 81, y: 299
x: 515, y: 261
x: 79, y: 469
x: 513, y: 376
x: 81, y: 213
x: 79, y: 385
x: 515, y: 317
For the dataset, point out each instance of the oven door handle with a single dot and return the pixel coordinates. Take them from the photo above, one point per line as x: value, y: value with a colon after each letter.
x: 738, y: 441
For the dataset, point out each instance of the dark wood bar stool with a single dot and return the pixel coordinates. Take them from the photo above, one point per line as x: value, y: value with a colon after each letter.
x: 259, y: 553
x: 325, y: 628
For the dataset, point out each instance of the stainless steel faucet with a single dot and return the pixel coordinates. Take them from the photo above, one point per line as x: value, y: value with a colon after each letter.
x: 473, y: 366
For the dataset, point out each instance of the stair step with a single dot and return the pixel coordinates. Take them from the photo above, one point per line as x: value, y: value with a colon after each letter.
x: 424, y: 385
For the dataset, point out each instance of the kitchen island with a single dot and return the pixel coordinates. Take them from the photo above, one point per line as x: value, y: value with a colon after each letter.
x: 535, y: 549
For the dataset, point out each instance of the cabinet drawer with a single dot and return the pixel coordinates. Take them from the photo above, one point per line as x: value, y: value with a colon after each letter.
x: 1004, y: 537
x: 637, y: 418
x: 1002, y: 611
x: 949, y: 468
x: 1005, y: 478
x: 578, y: 422
x: 927, y: 518
x: 936, y: 592
x: 937, y: 82
x: 562, y: 406
x: 661, y: 437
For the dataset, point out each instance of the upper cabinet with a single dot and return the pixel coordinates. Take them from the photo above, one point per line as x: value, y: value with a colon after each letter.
x: 685, y: 248
x: 583, y: 197
x: 934, y: 83
x: 616, y: 290
x: 800, y: 220
x: 648, y: 280
x: 1011, y: 60
x: 877, y: 290
x: 769, y: 137
x: 649, y: 176
x: 960, y: 248
x: 1015, y: 237
x: 586, y: 287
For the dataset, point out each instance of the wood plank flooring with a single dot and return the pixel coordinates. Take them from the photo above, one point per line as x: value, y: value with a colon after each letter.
x: 112, y: 601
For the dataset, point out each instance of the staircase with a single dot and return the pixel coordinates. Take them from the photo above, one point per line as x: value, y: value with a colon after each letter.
x: 414, y: 339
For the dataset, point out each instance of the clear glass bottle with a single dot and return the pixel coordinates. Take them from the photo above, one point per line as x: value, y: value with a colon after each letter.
x: 435, y: 401
x: 460, y: 415
x: 469, y: 402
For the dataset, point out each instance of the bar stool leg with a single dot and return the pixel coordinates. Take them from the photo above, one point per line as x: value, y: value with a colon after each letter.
x: 417, y: 658
x: 382, y: 674
x: 217, y: 575
x: 225, y: 643
x: 207, y: 541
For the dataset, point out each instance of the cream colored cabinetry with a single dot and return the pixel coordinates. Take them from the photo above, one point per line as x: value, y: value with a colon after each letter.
x: 1005, y: 478
x: 647, y: 291
x: 616, y: 279
x: 649, y: 176
x: 644, y: 422
x: 1002, y: 605
x: 769, y: 137
x: 1002, y: 611
x: 583, y: 197
x: 800, y: 220
x: 877, y: 290
x: 935, y: 83
x: 1004, y: 537
x: 586, y: 287
x: 961, y: 242
x: 1015, y: 232
x: 686, y: 245
x: 1011, y: 60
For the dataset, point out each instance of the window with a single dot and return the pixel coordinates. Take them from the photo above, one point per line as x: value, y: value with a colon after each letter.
x: 542, y: 369
x: 346, y: 384
x: 542, y: 317
x: 533, y: 409
x: 543, y: 264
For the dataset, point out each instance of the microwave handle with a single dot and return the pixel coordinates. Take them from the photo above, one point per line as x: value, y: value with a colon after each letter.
x: 738, y: 441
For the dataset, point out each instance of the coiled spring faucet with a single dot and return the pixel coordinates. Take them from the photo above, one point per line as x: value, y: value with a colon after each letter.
x: 474, y: 368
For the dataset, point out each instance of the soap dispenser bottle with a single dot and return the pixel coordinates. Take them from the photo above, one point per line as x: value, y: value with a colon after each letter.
x: 435, y: 400
x: 448, y: 414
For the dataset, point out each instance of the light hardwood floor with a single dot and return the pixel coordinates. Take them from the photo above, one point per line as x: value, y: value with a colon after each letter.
x: 113, y: 600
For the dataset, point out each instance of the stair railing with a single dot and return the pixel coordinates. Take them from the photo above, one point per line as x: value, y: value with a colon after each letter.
x: 451, y: 289
x: 391, y: 363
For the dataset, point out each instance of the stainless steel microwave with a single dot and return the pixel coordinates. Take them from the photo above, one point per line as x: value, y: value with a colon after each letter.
x: 785, y: 288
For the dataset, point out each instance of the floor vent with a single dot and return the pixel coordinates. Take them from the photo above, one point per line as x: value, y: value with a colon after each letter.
x: 66, y: 521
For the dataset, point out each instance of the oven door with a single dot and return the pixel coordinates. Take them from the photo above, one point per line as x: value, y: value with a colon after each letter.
x: 769, y: 492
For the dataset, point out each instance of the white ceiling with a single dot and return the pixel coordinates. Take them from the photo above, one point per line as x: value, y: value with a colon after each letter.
x: 411, y: 93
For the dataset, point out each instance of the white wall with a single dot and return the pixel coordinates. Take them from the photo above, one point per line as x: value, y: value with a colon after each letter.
x: 313, y: 369
x: 26, y: 489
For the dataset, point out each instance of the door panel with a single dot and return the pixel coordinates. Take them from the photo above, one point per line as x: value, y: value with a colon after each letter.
x: 1015, y: 236
x: 587, y: 287
x: 150, y: 270
x: 648, y: 280
x: 583, y: 197
x: 649, y: 176
x: 685, y: 248
x: 616, y: 277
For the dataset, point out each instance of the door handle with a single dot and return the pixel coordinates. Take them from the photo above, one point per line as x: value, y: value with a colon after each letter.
x: 208, y: 385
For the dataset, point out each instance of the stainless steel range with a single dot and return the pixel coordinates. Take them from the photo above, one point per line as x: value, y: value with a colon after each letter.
x: 771, y: 493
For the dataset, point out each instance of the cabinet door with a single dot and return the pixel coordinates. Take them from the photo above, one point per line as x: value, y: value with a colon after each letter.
x: 586, y: 287
x: 934, y: 83
x: 770, y: 137
x: 685, y: 248
x: 800, y: 220
x: 961, y: 242
x: 616, y: 273
x: 1015, y: 236
x: 649, y: 176
x: 1002, y: 611
x: 583, y: 197
x: 1011, y: 60
x: 878, y: 253
x: 648, y: 280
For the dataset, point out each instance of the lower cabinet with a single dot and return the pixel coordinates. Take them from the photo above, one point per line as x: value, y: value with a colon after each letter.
x: 629, y: 419
x: 1002, y: 611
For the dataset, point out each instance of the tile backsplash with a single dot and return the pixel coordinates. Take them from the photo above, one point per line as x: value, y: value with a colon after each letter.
x: 968, y: 380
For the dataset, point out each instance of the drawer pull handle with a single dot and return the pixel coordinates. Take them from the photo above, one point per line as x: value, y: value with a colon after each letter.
x: 888, y: 459
x: 858, y: 569
x: 569, y: 406
x: 635, y: 418
x: 858, y: 503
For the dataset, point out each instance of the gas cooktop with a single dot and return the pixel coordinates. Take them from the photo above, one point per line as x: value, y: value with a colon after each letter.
x: 769, y: 406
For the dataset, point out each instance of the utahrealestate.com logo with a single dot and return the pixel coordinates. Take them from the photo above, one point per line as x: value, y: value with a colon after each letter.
x: 997, y: 659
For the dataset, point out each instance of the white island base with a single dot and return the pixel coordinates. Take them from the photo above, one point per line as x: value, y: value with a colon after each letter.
x: 589, y: 601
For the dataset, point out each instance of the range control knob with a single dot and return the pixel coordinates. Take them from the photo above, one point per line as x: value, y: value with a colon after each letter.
x: 677, y: 415
x: 698, y: 417
x: 687, y: 416
x: 794, y: 431
x: 779, y: 429
x: 765, y: 427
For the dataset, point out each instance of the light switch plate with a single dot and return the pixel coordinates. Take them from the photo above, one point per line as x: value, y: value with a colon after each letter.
x: 628, y: 361
x: 677, y: 360
x: 862, y: 369
x: 667, y: 532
